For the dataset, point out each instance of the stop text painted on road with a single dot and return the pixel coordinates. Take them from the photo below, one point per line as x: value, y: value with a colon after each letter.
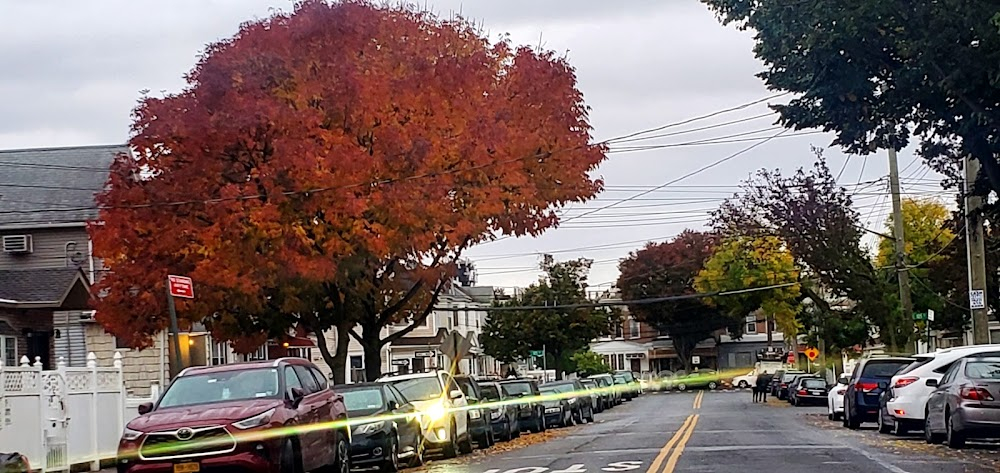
x: 612, y: 467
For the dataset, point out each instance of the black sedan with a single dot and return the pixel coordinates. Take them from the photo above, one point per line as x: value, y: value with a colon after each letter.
x: 387, y: 430
x: 810, y: 391
x: 503, y: 413
x: 479, y: 419
x: 531, y: 413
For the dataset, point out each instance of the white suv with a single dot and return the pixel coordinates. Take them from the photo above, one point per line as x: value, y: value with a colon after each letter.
x: 905, y: 401
x: 442, y: 407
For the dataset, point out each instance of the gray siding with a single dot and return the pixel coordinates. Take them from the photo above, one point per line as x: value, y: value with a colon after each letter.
x: 50, y: 249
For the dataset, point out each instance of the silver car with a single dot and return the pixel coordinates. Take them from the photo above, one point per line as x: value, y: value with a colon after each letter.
x: 965, y: 402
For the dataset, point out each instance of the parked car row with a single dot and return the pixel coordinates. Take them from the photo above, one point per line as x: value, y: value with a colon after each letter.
x: 283, y: 416
x: 951, y: 395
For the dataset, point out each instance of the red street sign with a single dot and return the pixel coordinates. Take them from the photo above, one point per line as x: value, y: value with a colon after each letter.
x: 791, y: 357
x: 181, y: 286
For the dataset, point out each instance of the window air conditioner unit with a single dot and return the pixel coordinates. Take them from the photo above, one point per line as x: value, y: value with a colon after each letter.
x: 17, y: 244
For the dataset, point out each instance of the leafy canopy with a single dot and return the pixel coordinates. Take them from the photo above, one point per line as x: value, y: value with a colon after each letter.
x: 760, y: 261
x: 877, y: 72
x: 670, y: 269
x: 510, y: 334
x: 322, y: 161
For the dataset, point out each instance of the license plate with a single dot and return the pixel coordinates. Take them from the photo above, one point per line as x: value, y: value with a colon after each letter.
x: 815, y: 393
x: 187, y: 468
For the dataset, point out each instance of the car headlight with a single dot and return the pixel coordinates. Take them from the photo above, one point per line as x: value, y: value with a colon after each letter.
x: 475, y: 414
x: 130, y: 434
x: 369, y: 427
x: 256, y: 421
x: 436, y: 412
x: 572, y: 401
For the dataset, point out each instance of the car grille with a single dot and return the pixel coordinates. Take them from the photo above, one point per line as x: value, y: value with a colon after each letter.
x: 203, y: 441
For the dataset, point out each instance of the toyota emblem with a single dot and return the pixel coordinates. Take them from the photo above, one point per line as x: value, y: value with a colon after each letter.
x: 184, y: 433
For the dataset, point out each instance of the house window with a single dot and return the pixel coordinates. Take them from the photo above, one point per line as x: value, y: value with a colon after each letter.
x: 466, y: 318
x: 300, y: 352
x: 257, y: 355
x: 621, y: 361
x: 619, y: 330
x: 751, y: 326
x: 119, y: 345
x: 633, y: 328
x: 220, y: 353
x: 8, y: 348
x: 357, y: 369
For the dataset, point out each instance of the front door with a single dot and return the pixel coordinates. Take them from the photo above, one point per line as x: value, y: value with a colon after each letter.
x: 38, y: 347
x: 636, y: 365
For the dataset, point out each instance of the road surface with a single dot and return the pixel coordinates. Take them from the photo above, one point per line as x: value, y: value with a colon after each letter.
x: 719, y: 432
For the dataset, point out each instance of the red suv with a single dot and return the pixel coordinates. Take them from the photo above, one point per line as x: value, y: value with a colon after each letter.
x: 266, y: 416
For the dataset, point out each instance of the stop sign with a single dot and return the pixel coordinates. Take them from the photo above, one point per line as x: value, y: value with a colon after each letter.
x: 791, y: 357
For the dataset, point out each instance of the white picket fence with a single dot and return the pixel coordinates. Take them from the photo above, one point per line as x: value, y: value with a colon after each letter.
x: 66, y: 416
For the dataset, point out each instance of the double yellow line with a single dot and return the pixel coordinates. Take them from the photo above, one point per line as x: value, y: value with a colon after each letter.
x: 697, y: 399
x: 669, y: 452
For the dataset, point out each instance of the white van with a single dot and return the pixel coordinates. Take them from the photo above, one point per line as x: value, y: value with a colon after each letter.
x: 906, y: 399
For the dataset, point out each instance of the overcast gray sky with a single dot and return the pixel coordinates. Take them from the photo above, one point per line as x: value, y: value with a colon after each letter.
x: 74, y: 70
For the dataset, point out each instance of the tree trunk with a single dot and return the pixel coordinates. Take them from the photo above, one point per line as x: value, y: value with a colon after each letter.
x: 373, y: 359
x: 340, y: 359
x: 557, y: 362
x: 684, y: 348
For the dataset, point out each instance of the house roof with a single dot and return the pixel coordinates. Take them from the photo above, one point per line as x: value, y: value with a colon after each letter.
x: 52, y: 186
x: 59, y: 288
x: 421, y: 341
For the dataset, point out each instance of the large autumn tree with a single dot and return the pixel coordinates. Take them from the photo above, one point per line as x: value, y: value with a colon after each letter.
x: 759, y: 261
x: 670, y: 269
x: 327, y: 166
x: 819, y: 227
x: 545, y: 316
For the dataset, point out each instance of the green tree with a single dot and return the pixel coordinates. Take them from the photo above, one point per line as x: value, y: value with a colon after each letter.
x: 758, y: 261
x: 670, y: 269
x: 589, y: 363
x: 536, y: 319
x: 876, y: 72
x: 815, y: 219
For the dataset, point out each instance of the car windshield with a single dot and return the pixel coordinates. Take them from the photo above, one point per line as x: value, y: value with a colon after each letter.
x: 789, y: 376
x: 419, y: 389
x: 223, y: 386
x: 363, y: 402
x: 920, y: 361
x: 813, y: 383
x: 467, y: 387
x: 619, y: 379
x: 882, y: 369
x: 513, y: 389
x: 588, y: 384
x: 490, y: 392
x: 558, y: 388
x: 983, y: 370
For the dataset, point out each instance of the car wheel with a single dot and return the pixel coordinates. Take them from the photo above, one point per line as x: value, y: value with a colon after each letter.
x: 712, y: 385
x: 954, y: 439
x: 852, y: 423
x: 451, y: 448
x: 288, y: 461
x: 418, y: 452
x: 929, y: 436
x: 682, y: 387
x: 515, y: 433
x: 743, y: 384
x: 578, y: 416
x: 465, y: 445
x: 590, y: 415
x: 391, y: 463
x: 883, y: 428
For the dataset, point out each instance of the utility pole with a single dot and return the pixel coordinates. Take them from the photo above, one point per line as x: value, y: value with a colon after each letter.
x: 902, y: 271
x: 975, y: 253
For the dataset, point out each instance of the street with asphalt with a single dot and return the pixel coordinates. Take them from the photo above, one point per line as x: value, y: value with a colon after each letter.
x: 721, y: 432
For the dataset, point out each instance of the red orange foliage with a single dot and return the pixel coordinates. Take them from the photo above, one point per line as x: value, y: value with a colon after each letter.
x: 334, y: 133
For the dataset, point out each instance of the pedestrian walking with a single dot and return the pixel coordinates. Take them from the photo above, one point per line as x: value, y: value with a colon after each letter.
x: 756, y: 392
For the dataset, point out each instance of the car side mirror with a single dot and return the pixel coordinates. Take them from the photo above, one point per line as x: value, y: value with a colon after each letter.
x: 297, y: 396
x: 393, y: 405
x: 455, y: 394
x: 932, y: 383
x: 145, y: 408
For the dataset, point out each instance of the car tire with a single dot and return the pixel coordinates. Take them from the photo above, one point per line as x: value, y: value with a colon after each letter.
x: 288, y: 461
x: 465, y: 445
x: 578, y: 416
x: 418, y: 452
x: 743, y: 384
x: 954, y: 439
x: 682, y: 387
x: 851, y: 422
x: 590, y: 416
x: 929, y: 436
x: 712, y: 385
x: 450, y: 450
x: 391, y: 463
x: 883, y: 428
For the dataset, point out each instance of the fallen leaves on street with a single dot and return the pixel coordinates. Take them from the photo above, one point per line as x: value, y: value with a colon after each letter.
x: 433, y: 465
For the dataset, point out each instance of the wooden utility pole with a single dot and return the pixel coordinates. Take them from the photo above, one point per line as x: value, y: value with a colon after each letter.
x: 902, y: 270
x: 976, y: 254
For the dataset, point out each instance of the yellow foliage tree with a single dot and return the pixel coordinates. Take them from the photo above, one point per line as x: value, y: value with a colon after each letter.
x: 923, y: 229
x: 745, y: 262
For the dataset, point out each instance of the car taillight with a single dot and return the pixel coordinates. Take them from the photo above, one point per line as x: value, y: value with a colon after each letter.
x: 976, y: 394
x: 802, y: 392
x: 866, y: 387
x: 901, y: 382
x: 784, y: 385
